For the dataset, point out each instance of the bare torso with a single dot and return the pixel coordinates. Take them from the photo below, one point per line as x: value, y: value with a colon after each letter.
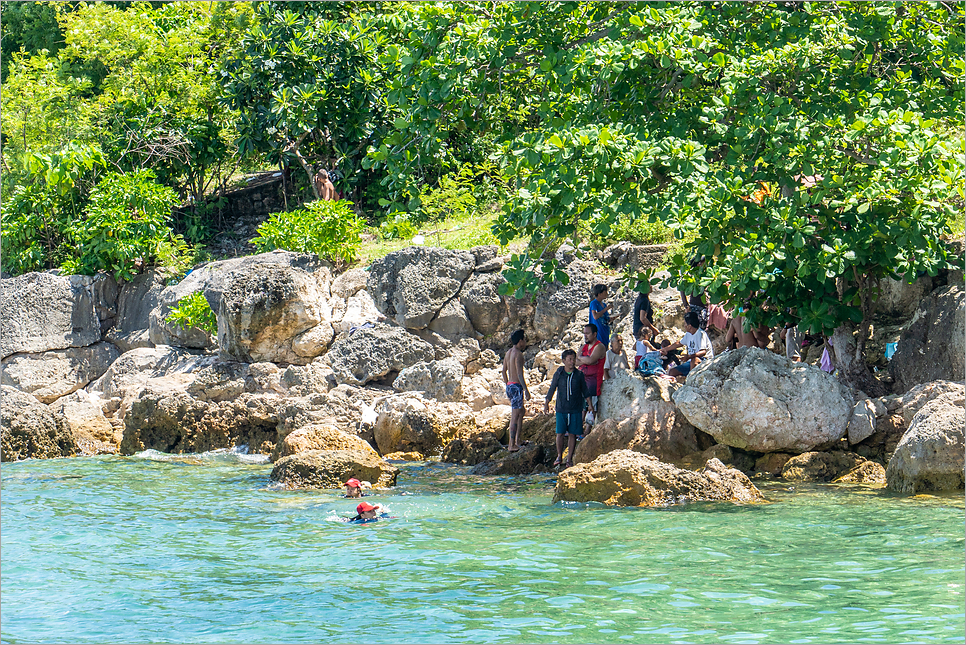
x: 513, y: 365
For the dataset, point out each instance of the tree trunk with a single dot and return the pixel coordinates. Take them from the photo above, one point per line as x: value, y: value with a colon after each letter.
x: 848, y: 350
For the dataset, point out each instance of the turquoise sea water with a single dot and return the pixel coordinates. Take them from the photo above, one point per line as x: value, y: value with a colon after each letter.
x: 159, y: 548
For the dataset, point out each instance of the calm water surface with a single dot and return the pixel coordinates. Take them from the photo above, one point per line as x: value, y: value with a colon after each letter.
x: 200, y: 549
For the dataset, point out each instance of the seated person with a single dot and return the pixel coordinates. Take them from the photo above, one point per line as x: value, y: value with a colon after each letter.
x: 696, y: 343
x: 643, y: 346
x: 672, y: 355
x: 368, y: 513
x: 615, y: 357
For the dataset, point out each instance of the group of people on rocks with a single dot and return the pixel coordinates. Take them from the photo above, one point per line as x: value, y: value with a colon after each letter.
x: 576, y: 385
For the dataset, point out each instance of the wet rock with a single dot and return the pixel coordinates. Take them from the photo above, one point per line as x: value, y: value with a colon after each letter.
x: 93, y: 432
x: 31, y: 430
x: 933, y: 346
x: 772, y: 463
x: 868, y: 472
x: 40, y: 312
x: 440, y: 380
x: 331, y: 468
x: 730, y: 457
x: 471, y: 450
x: 929, y: 457
x: 405, y: 456
x: 51, y: 375
x: 820, y: 466
x: 756, y: 400
x: 320, y: 437
x: 533, y: 458
x: 412, y: 285
x: 626, y: 478
x: 372, y: 353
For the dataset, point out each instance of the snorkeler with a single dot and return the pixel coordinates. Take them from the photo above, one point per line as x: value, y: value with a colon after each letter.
x: 368, y: 513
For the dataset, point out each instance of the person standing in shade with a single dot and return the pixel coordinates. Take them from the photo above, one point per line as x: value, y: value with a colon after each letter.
x: 600, y: 313
x: 793, y: 342
x: 591, y: 362
x: 696, y: 343
x: 644, y: 316
x: 516, y: 386
x: 570, y: 387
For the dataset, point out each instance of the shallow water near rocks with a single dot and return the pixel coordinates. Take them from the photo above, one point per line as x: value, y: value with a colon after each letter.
x: 199, y: 548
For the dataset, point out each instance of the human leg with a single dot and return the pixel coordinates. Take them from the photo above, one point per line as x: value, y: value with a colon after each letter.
x: 571, y: 447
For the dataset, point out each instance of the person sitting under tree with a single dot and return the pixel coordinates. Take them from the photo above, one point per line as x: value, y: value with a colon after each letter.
x: 696, y: 343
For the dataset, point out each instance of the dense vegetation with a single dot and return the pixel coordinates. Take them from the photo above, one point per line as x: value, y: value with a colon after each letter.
x: 805, y: 150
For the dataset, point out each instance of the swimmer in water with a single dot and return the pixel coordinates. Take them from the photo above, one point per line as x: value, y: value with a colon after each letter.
x: 353, y: 488
x: 367, y: 512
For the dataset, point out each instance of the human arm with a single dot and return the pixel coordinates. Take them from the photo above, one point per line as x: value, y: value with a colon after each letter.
x: 523, y: 380
x: 730, y: 336
x: 552, y: 390
x: 506, y: 379
x: 671, y: 347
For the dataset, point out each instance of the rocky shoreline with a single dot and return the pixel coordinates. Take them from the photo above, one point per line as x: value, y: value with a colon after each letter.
x: 337, y: 375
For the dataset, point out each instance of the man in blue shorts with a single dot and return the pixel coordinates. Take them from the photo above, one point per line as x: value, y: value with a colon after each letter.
x: 571, y: 389
x: 696, y: 343
x: 516, y: 386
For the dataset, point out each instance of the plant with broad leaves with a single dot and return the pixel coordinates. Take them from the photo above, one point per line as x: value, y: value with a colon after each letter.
x: 329, y: 229
x: 194, y: 311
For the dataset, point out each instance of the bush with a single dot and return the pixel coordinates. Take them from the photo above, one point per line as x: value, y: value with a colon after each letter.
x: 32, y: 230
x: 194, y: 311
x: 126, y: 226
x: 640, y: 231
x: 329, y: 229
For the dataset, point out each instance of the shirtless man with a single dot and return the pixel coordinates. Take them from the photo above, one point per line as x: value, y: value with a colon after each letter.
x: 751, y: 338
x: 516, y: 386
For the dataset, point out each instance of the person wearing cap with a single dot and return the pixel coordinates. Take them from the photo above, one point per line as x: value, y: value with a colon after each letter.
x: 353, y: 488
x: 366, y: 512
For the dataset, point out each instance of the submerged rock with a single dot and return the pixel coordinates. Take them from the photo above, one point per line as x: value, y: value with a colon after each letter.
x: 868, y: 472
x: 321, y: 437
x: 756, y: 400
x: 929, y: 456
x: 331, y: 468
x: 626, y: 478
x: 31, y: 430
x: 820, y: 466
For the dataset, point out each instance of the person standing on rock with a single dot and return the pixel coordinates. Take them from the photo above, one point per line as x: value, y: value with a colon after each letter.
x: 591, y: 361
x: 572, y: 392
x: 696, y: 343
x: 516, y: 386
x: 600, y: 313
x: 644, y: 316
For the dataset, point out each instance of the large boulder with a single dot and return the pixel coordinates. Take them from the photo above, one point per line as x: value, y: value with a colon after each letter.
x: 93, y: 432
x: 471, y: 450
x: 914, y: 400
x: 211, y: 280
x: 321, y: 437
x: 626, y: 478
x: 409, y: 423
x: 31, y: 430
x: 276, y: 313
x: 929, y: 456
x: 452, y: 320
x: 40, y: 312
x: 170, y: 420
x: 557, y: 304
x: 371, y: 353
x: 138, y: 365
x: 440, y: 380
x: 868, y: 472
x: 756, y: 400
x: 900, y: 299
x: 331, y: 468
x: 136, y: 300
x: 482, y: 302
x: 412, y: 285
x: 356, y: 310
x: 862, y: 422
x: 933, y: 346
x: 51, y: 375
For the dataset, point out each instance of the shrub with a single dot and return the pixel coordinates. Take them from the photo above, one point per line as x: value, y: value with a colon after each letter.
x: 329, y: 229
x: 126, y: 226
x: 194, y: 311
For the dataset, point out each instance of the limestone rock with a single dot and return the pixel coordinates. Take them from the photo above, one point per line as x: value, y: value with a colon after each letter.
x: 349, y: 283
x: 31, y: 430
x: 412, y: 285
x: 653, y: 433
x: 730, y: 457
x: 558, y: 303
x: 440, y: 380
x: 756, y: 400
x: 880, y: 446
x: 452, y: 320
x: 40, y: 312
x: 405, y: 456
x: 407, y: 422
x: 331, y: 468
x: 275, y: 313
x: 929, y: 456
x: 772, y: 463
x: 862, y: 422
x: 465, y: 350
x: 914, y: 400
x: 93, y: 432
x: 359, y: 309
x: 899, y: 299
x: 321, y: 437
x: 136, y: 366
x: 471, y: 450
x: 303, y: 380
x: 136, y: 299
x: 485, y: 308
x: 495, y: 419
x: 626, y: 478
x: 933, y: 346
x: 530, y: 459
x: 372, y: 353
x: 868, y: 472
x: 51, y: 375
x: 820, y: 466
x: 125, y: 341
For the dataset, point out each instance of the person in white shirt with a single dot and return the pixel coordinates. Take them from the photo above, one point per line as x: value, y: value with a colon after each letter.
x: 696, y: 343
x: 615, y: 357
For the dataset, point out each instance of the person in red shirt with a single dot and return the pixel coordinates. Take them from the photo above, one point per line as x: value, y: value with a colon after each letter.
x: 591, y: 361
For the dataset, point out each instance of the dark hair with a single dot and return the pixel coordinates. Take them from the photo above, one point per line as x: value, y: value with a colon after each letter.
x: 516, y: 337
x: 598, y: 289
x: 692, y: 319
x: 591, y: 326
x: 665, y: 342
x: 566, y: 353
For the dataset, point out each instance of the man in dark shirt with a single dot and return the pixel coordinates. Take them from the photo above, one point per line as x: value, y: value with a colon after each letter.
x: 571, y: 389
x: 644, y: 315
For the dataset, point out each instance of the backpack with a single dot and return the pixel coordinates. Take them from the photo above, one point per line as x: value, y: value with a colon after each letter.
x: 652, y: 363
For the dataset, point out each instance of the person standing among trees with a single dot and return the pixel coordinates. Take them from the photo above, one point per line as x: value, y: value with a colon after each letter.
x: 516, y: 386
x: 644, y: 315
x: 600, y: 313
